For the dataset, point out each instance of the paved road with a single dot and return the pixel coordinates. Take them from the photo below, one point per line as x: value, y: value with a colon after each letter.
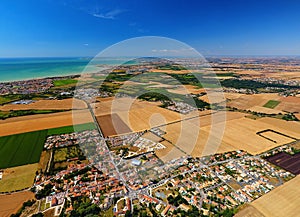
x: 110, y: 156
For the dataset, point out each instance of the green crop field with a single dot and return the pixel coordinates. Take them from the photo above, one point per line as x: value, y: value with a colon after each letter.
x: 21, y: 149
x: 59, y: 83
x: 271, y: 104
x: 71, y: 129
x: 26, y: 148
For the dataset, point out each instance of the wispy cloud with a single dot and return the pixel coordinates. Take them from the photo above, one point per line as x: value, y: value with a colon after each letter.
x: 94, y: 8
x: 109, y: 15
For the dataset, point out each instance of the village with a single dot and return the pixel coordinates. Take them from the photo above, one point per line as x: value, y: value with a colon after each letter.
x: 209, y: 186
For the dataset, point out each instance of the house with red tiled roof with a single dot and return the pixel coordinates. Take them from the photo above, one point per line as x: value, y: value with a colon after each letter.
x: 165, y: 211
x: 54, y: 201
x: 150, y: 199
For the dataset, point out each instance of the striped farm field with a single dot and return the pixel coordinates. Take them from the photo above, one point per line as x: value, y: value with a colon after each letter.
x: 21, y: 149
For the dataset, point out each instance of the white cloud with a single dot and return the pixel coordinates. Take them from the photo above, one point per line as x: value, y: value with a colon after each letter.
x: 108, y: 15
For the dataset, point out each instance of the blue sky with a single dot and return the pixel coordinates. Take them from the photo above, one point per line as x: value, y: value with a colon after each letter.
x: 37, y: 28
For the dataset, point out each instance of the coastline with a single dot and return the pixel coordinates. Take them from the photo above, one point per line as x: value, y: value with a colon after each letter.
x: 40, y: 78
x: 31, y: 68
x: 25, y: 69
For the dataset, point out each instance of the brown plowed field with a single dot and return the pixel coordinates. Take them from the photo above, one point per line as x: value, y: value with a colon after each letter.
x: 112, y: 125
x: 10, y: 204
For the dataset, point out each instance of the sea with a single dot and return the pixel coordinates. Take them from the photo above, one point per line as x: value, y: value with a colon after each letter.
x: 16, y: 69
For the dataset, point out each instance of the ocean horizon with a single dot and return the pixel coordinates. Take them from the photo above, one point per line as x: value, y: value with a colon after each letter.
x: 27, y: 68
x: 17, y: 69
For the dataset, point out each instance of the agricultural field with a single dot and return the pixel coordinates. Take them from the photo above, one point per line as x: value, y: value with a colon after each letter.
x: 216, y: 97
x: 64, y: 104
x: 194, y: 140
x: 297, y: 116
x: 19, y: 113
x: 9, y: 98
x: 186, y: 89
x: 10, y: 204
x: 247, y: 101
x: 148, y: 117
x: 200, y: 138
x: 282, y: 201
x: 271, y: 104
x: 64, y: 82
x: 26, y: 148
x: 286, y: 161
x: 290, y: 104
x: 44, y: 121
x: 265, y: 110
x: 71, y: 129
x: 44, y: 159
x: 112, y: 125
x: 151, y: 136
x: 116, y: 105
x: 249, y: 211
x: 289, y: 128
x: 276, y: 137
x: 18, y: 178
x: 241, y: 133
x: 169, y: 153
x: 133, y: 114
x: 21, y: 149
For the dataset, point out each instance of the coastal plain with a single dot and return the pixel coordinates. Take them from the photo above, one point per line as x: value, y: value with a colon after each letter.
x: 201, y: 133
x: 182, y: 131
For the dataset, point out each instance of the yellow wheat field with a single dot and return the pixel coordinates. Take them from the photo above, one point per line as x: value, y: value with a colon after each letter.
x: 282, y: 201
x: 48, y: 105
x: 43, y: 121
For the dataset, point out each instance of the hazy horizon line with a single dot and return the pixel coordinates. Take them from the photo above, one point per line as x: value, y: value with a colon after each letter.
x: 210, y: 55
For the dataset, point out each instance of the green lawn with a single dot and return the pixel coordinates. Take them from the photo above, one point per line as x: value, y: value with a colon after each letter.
x: 21, y: 149
x: 271, y: 104
x: 71, y: 129
x: 59, y: 83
